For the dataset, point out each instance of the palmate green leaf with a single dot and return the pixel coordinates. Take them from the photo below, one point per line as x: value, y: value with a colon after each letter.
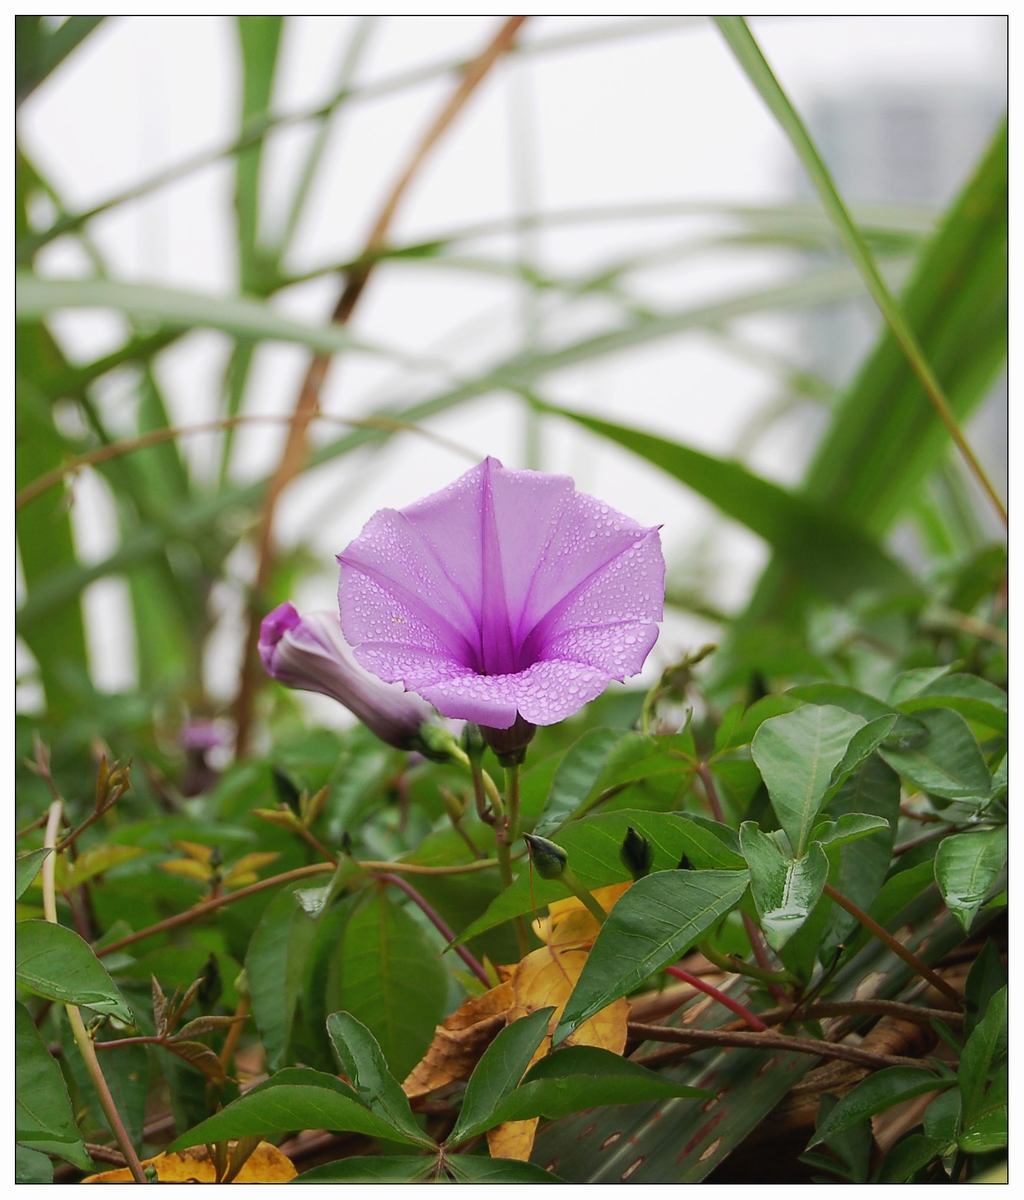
x: 972, y: 697
x: 279, y: 1107
x: 873, y: 791
x: 360, y: 1057
x: 850, y: 827
x: 967, y: 866
x: 785, y: 889
x: 580, y: 1077
x: 275, y: 966
x: 883, y: 1089
x: 982, y: 1090
x: 593, y: 846
x: 948, y: 763
x: 654, y: 923
x: 26, y: 868
x: 383, y: 957
x: 607, y: 760
x: 475, y: 1168
x: 43, y: 1117
x: 828, y: 552
x: 372, y: 1168
x: 54, y: 962
x: 499, y: 1070
x: 796, y: 754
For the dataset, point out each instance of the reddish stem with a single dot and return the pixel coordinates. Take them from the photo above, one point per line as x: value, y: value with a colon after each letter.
x: 438, y: 922
x: 709, y: 989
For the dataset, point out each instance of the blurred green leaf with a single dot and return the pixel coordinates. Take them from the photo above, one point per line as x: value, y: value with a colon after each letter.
x: 40, y: 47
x: 44, y: 1119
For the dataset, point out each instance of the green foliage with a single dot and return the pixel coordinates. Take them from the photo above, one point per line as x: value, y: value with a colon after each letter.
x: 847, y: 736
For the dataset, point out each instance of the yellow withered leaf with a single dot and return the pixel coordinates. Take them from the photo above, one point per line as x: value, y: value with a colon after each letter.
x: 545, y: 978
x: 266, y: 1164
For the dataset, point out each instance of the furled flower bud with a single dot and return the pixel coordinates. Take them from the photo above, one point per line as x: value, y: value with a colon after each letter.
x: 636, y: 853
x: 549, y: 860
x: 310, y: 653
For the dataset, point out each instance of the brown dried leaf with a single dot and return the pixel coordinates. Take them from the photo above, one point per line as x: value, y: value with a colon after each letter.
x: 266, y: 1164
x: 201, y: 1025
x: 459, y: 1041
x: 201, y: 1057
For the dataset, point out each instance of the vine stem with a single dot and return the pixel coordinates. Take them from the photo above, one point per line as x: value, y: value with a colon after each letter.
x: 215, y: 902
x: 709, y: 989
x: 506, y: 831
x: 909, y: 957
x: 78, y: 1029
x: 438, y: 922
x: 771, y: 1042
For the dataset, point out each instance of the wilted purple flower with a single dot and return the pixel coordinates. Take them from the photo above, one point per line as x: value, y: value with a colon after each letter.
x: 311, y: 654
x: 200, y: 734
x: 506, y: 594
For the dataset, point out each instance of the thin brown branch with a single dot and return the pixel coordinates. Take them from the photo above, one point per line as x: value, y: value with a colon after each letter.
x: 772, y: 1042
x: 293, y: 455
x: 919, y: 966
x: 215, y: 902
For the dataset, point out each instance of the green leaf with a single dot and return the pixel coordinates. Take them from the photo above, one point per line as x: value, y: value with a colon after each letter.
x: 885, y: 438
x: 827, y: 552
x: 580, y: 1077
x: 986, y: 976
x: 883, y: 1089
x: 785, y: 889
x: 850, y: 827
x: 43, y: 1117
x: 967, y: 866
x: 54, y: 962
x: 655, y: 922
x: 499, y: 1070
x: 275, y: 1108
x: 838, y: 694
x: 948, y: 763
x: 362, y: 1060
x: 604, y: 761
x: 26, y: 868
x: 32, y: 1167
x: 275, y: 964
x: 372, y: 1168
x: 737, y: 34
x: 92, y: 862
x: 41, y: 49
x: 593, y: 848
x: 910, y: 1155
x: 383, y: 953
x: 984, y: 1052
x: 972, y: 697
x: 473, y: 1168
x: 796, y: 754
x: 240, y: 316
x: 862, y: 745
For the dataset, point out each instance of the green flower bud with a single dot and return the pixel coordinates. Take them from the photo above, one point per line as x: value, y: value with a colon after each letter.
x: 636, y: 854
x: 549, y: 860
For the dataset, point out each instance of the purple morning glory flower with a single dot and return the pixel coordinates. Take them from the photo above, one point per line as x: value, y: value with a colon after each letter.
x: 311, y: 654
x: 507, y: 595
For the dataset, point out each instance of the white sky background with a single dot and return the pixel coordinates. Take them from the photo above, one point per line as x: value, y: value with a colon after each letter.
x: 666, y: 116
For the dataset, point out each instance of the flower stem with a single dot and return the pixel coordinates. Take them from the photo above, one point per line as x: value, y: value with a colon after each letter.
x: 709, y: 989
x: 505, y: 836
x: 584, y: 895
x: 439, y: 923
x: 909, y: 957
x: 708, y: 782
x: 78, y: 1029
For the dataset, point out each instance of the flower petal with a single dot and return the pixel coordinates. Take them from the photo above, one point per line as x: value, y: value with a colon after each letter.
x: 543, y: 694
